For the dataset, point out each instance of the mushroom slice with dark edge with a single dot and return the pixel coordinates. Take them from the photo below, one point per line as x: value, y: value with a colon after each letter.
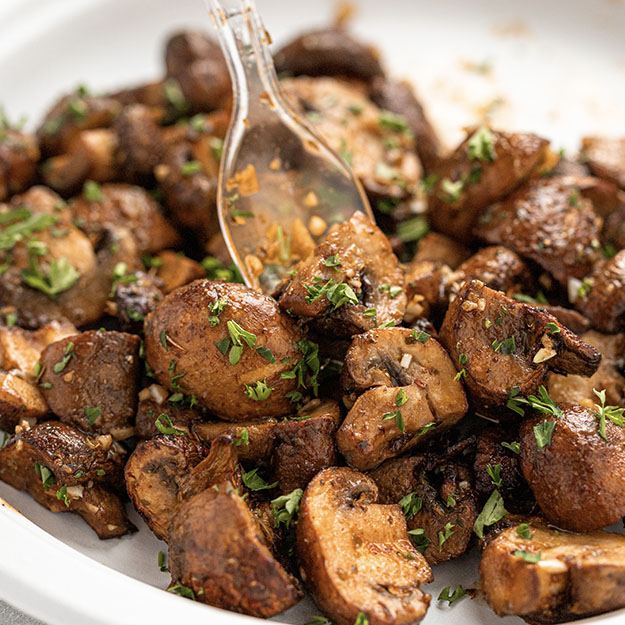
x: 600, y: 296
x: 197, y: 69
x: 351, y: 283
x: 575, y: 389
x: 218, y: 550
x: 328, y: 52
x: 410, y: 388
x: 91, y: 381
x: 549, y: 222
x: 154, y: 473
x: 66, y: 470
x: 548, y: 576
x: 605, y: 157
x: 126, y: 206
x: 504, y: 347
x: 229, y: 346
x: 355, y: 555
x: 399, y: 97
x: 486, y: 167
x: 581, y: 447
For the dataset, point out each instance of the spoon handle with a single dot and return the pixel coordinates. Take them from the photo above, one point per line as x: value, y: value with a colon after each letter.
x: 245, y: 44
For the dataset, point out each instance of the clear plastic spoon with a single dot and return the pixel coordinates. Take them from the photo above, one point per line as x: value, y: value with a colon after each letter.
x: 280, y: 186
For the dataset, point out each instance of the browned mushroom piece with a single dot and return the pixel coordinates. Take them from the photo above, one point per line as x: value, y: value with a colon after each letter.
x: 426, y: 283
x: 154, y: 473
x: 573, y: 320
x: 72, y: 114
x: 303, y: 448
x: 605, y: 157
x: 328, y: 52
x: 397, y: 477
x: 89, y: 155
x: 133, y: 300
x: 486, y: 167
x: 153, y: 403
x: 66, y: 470
x: 378, y: 145
x: 438, y: 248
x: 409, y: 388
x: 399, y: 98
x: 217, y: 548
x: 549, y: 222
x: 548, y: 576
x: 20, y: 400
x: 352, y: 283
x: 355, y: 555
x: 600, y: 296
x: 128, y: 206
x: 196, y: 63
x: 90, y: 380
x: 21, y: 349
x: 140, y: 142
x: 575, y: 389
x: 497, y: 458
x: 58, y: 274
x: 19, y: 154
x: 502, y: 346
x: 581, y: 448
x: 174, y: 270
x: 149, y: 94
x: 443, y: 506
x: 229, y: 346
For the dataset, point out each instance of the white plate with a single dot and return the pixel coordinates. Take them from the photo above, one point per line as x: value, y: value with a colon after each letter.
x: 558, y: 68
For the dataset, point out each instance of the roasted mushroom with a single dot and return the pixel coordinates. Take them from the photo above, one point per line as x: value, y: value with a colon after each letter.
x: 438, y: 248
x: 549, y: 576
x: 20, y: 400
x: 486, y: 167
x: 90, y: 380
x: 66, y: 470
x: 217, y: 549
x: 352, y: 282
x: 355, y: 555
x: 605, y: 157
x: 579, y: 446
x: 228, y: 346
x: 549, y: 222
x: 505, y: 347
x: 19, y: 154
x: 175, y: 270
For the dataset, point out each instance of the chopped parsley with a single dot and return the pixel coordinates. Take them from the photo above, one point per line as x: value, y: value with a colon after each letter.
x: 451, y: 595
x: 605, y: 413
x: 418, y: 539
x: 190, y: 168
x: 411, y: 504
x: 552, y: 328
x: 412, y: 229
x: 505, y: 346
x: 514, y: 446
x: 543, y: 433
x: 45, y: 475
x: 530, y: 558
x: 60, y: 276
x: 451, y: 190
x: 182, y: 591
x: 481, y: 145
x: 243, y: 439
x: 239, y: 338
x: 286, y: 507
x: 306, y: 371
x: 445, y: 534
x: 92, y: 414
x: 61, y: 495
x: 392, y: 289
x: 421, y: 336
x: 463, y: 360
x: 332, y: 261
x: 215, y: 309
x: 259, y: 391
x: 92, y: 191
x: 361, y: 619
x: 165, y: 425
x: 393, y: 122
x: 493, y: 511
x: 68, y: 354
x: 255, y: 482
x: 523, y: 530
x: 337, y: 293
x: 494, y: 472
x: 162, y: 562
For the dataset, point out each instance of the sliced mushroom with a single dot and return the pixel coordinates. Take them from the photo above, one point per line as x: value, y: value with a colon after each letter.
x: 549, y: 222
x: 500, y: 345
x: 601, y: 295
x: 357, y: 255
x: 68, y: 471
x: 217, y: 548
x: 549, y: 576
x: 355, y: 555
x: 154, y: 474
x: 399, y: 97
x: 575, y: 449
x: 19, y: 400
x: 575, y: 389
x: 486, y: 167
x: 328, y: 52
x: 196, y: 63
x: 19, y: 154
x: 605, y: 157
x: 227, y: 345
x: 126, y: 206
x: 378, y: 146
x: 90, y: 380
